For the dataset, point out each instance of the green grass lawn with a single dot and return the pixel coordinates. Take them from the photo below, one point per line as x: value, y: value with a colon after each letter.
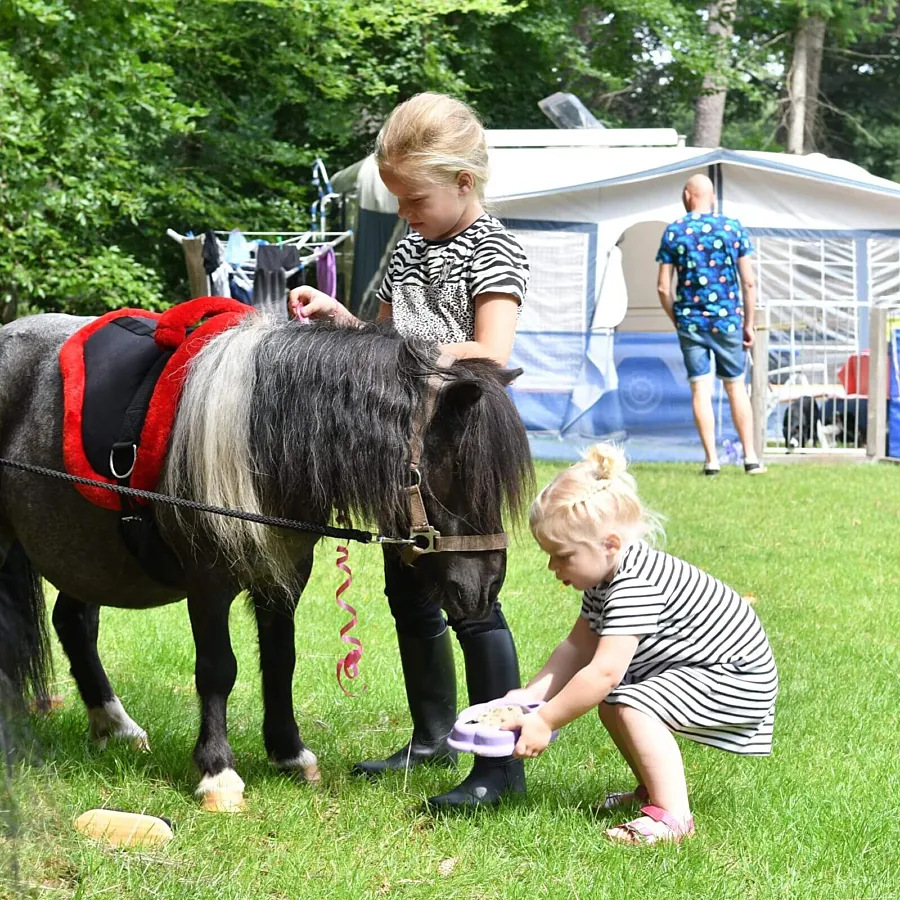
x: 817, y: 545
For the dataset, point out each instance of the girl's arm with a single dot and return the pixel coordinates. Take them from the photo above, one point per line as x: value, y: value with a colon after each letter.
x: 589, y: 687
x: 495, y: 328
x: 314, y: 304
x: 570, y: 655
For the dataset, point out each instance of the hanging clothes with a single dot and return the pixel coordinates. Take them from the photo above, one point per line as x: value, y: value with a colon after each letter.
x: 217, y: 270
x: 241, y: 287
x: 270, y: 281
x: 326, y: 272
x: 212, y: 258
x: 237, y: 250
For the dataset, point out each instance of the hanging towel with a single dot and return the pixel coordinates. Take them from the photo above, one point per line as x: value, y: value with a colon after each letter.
x: 193, y: 260
x: 326, y: 272
x: 237, y: 250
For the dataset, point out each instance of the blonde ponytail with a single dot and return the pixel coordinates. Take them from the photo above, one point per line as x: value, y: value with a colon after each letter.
x: 590, y: 498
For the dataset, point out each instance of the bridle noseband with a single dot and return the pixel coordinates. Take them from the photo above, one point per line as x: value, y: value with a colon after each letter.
x: 423, y: 537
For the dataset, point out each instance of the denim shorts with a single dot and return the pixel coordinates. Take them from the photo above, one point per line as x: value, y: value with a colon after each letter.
x: 728, y: 349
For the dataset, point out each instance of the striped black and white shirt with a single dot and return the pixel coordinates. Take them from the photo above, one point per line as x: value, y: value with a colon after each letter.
x: 432, y: 285
x: 703, y: 664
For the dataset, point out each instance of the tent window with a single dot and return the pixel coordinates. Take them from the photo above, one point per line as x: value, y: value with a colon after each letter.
x: 560, y: 273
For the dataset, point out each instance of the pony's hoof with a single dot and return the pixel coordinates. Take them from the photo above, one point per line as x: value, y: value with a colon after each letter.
x: 221, y: 793
x: 223, y: 801
x: 111, y: 721
x: 305, y: 763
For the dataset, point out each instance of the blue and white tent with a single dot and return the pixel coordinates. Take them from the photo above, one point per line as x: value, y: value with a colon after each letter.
x: 599, y: 355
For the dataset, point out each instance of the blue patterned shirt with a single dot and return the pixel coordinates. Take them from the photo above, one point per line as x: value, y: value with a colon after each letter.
x: 704, y: 249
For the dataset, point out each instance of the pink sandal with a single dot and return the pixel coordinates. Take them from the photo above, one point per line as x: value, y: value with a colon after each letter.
x: 655, y: 826
x: 623, y: 798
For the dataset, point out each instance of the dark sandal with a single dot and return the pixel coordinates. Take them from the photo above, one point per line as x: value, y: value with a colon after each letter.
x: 617, y: 800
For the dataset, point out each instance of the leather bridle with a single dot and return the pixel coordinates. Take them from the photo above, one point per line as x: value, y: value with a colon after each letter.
x: 423, y: 537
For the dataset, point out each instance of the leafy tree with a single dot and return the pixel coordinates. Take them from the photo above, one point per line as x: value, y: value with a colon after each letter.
x: 83, y: 111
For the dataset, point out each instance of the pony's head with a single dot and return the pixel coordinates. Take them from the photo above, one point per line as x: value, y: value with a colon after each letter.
x: 475, y: 466
x: 305, y: 422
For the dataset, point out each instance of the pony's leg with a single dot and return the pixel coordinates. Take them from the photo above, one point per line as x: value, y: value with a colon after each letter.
x: 277, y: 656
x: 77, y: 625
x: 221, y: 788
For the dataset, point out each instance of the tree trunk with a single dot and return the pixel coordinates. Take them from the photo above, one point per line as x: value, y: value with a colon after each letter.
x: 814, y: 47
x: 803, y: 90
x: 709, y: 111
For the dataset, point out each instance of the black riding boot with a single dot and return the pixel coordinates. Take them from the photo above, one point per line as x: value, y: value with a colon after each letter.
x: 492, y: 669
x: 430, y: 679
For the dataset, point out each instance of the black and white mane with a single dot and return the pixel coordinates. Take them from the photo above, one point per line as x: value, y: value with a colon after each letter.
x: 304, y: 421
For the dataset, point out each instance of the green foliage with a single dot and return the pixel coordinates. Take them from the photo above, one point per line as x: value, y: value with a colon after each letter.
x: 860, y: 119
x: 90, y: 116
x: 122, y: 118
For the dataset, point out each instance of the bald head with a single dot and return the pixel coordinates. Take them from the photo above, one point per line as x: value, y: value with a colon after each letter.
x: 699, y: 195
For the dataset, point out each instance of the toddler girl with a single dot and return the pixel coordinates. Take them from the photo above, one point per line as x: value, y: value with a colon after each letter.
x: 660, y: 647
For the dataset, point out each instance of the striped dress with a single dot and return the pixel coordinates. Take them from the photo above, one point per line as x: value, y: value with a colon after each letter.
x: 703, y: 665
x: 432, y: 285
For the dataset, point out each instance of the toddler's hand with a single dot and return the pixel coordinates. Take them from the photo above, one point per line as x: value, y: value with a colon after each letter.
x: 535, y: 736
x: 307, y: 302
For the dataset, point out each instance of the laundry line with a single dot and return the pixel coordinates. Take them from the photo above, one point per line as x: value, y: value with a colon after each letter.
x: 255, y: 267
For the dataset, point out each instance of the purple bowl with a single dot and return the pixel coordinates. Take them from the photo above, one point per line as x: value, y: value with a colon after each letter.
x: 481, y: 739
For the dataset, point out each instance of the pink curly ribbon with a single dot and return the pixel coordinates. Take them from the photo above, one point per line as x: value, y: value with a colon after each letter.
x: 349, y: 665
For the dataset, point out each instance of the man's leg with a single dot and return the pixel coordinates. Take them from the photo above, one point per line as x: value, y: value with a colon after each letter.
x: 696, y: 355
x: 742, y: 416
x: 704, y: 417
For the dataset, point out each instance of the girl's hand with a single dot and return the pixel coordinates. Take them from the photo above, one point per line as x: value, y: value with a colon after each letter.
x: 307, y: 302
x: 534, y: 738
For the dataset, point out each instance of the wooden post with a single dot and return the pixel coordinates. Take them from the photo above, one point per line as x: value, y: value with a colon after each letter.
x: 759, y: 382
x: 193, y: 260
x: 876, y: 441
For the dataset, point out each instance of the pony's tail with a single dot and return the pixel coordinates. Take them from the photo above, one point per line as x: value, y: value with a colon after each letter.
x: 24, y: 642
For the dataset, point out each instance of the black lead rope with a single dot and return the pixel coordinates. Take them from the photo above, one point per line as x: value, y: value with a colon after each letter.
x: 352, y: 534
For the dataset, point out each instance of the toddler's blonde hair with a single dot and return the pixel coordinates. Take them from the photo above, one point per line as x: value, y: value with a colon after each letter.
x: 587, y: 499
x: 433, y: 137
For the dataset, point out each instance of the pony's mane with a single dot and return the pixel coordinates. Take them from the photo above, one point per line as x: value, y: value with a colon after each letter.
x: 303, y: 421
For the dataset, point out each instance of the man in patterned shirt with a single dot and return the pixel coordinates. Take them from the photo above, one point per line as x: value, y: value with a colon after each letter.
x: 710, y: 253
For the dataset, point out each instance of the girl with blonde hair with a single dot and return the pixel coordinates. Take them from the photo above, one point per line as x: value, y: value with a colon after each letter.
x: 660, y: 647
x: 458, y: 278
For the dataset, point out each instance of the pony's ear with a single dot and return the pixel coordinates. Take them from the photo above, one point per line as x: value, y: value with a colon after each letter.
x: 508, y: 376
x: 462, y: 395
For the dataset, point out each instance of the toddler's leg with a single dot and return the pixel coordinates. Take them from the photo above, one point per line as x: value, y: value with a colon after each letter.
x: 609, y: 716
x: 652, y: 754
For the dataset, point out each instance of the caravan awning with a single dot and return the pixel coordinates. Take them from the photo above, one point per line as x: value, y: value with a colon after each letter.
x: 525, y: 172
x: 521, y: 173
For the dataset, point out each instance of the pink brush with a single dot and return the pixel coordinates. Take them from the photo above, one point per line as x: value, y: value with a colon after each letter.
x: 471, y: 735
